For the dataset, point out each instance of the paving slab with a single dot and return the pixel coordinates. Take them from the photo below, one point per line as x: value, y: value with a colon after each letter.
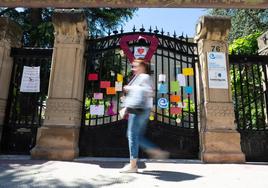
x: 22, y: 171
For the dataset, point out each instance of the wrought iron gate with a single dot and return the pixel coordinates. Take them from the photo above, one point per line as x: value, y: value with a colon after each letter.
x: 105, y: 135
x: 25, y: 111
x: 250, y: 96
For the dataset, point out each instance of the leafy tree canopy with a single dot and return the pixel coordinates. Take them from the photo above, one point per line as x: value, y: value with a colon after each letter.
x: 244, y: 21
x: 245, y: 45
x: 38, y: 28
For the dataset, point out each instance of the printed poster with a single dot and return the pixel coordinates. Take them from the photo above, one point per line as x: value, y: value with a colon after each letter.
x: 30, y: 81
x: 217, y: 71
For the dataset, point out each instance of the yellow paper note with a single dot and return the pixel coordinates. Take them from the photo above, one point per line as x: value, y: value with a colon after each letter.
x: 188, y: 71
x: 119, y: 77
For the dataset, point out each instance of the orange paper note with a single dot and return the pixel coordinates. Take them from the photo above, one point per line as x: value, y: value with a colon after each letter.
x: 110, y: 91
x: 175, y: 98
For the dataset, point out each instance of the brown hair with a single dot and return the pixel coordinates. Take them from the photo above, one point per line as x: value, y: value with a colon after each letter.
x: 143, y: 63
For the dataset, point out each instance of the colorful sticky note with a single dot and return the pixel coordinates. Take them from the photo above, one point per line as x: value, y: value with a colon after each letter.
x: 105, y: 84
x: 118, y: 86
x: 175, y: 98
x: 162, y: 78
x: 98, y: 95
x: 181, y: 79
x: 97, y: 110
x: 182, y: 104
x: 188, y: 71
x: 162, y: 103
x: 110, y: 91
x: 119, y: 77
x: 92, y: 76
x: 162, y: 88
x: 174, y: 86
x: 188, y: 90
x: 175, y: 110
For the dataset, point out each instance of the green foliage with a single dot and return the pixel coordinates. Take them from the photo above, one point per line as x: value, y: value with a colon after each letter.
x: 246, y: 84
x: 244, y: 21
x: 38, y: 28
x: 246, y: 45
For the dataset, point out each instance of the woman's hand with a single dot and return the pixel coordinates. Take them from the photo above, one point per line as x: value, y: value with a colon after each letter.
x: 122, y: 98
x: 126, y: 88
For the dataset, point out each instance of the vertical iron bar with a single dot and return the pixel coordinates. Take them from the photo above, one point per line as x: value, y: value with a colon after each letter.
x: 182, y: 98
x: 117, y: 93
x: 162, y: 72
x: 255, y: 95
x: 195, y: 95
x: 261, y: 96
x: 248, y: 97
x: 156, y: 83
x: 188, y: 83
x: 264, y: 67
x: 175, y: 78
x: 169, y: 104
x: 242, y: 96
x: 236, y: 97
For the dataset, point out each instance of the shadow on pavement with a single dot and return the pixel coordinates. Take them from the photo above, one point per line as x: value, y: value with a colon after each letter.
x: 170, y: 176
x: 111, y: 164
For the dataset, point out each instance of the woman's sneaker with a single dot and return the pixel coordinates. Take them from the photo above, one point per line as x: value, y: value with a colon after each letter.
x: 129, y: 169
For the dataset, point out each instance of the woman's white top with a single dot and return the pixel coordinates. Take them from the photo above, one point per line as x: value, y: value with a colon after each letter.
x: 141, y: 83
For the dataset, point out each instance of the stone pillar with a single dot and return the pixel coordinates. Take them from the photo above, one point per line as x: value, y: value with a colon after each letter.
x: 10, y: 36
x: 220, y: 142
x: 58, y: 137
x: 263, y: 44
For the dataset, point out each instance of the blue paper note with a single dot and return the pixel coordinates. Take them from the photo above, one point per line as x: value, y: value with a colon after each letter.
x: 162, y: 88
x: 189, y: 90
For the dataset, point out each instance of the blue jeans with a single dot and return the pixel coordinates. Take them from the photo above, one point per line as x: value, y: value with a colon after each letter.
x: 135, y: 133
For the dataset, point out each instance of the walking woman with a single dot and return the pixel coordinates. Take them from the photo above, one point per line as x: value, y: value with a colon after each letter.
x: 139, y: 88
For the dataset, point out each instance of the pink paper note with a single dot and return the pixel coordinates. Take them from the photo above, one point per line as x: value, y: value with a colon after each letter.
x: 98, y: 96
x: 105, y: 84
x: 92, y: 76
x: 175, y: 110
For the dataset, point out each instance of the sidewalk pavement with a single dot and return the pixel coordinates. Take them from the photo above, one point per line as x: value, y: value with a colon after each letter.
x: 22, y: 171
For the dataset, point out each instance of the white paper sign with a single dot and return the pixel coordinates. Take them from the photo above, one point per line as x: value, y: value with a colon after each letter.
x: 118, y: 86
x: 97, y: 110
x: 181, y: 79
x: 217, y: 71
x: 162, y: 78
x: 182, y: 104
x: 30, y: 81
x: 140, y: 51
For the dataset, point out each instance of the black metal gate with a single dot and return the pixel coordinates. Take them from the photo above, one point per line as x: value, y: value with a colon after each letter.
x: 25, y: 111
x: 250, y: 96
x: 105, y: 135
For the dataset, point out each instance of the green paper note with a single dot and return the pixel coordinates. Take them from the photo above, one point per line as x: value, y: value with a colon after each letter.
x: 174, y: 86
